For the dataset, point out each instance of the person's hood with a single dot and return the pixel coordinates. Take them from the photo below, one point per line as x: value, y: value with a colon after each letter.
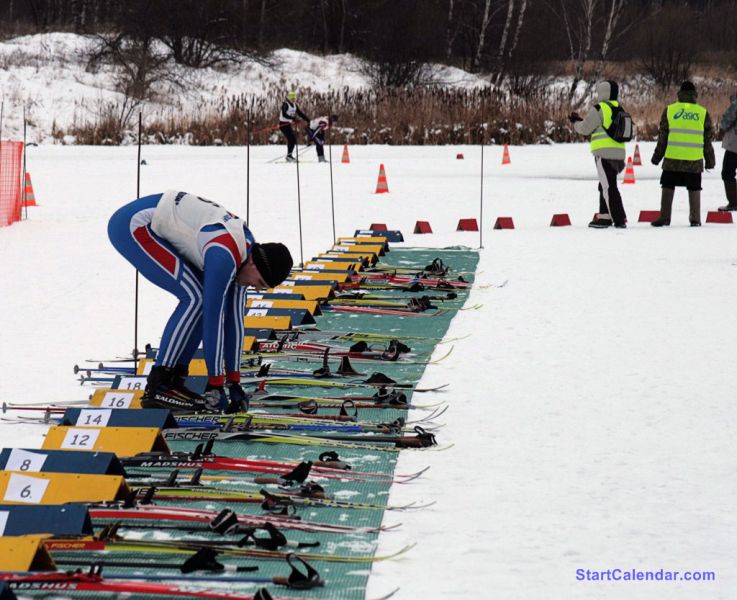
x: 607, y: 90
x: 687, y: 96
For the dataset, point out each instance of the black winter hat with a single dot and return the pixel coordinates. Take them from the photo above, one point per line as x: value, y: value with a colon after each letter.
x: 273, y: 261
x: 687, y: 86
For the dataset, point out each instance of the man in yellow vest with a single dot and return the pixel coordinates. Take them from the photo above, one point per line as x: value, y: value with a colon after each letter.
x: 684, y: 139
x: 608, y: 153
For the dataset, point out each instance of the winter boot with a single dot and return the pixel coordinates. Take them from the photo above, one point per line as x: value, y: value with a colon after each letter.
x: 666, y: 206
x: 601, y: 221
x: 321, y: 159
x: 694, y: 208
x: 730, y: 190
x: 158, y: 376
x: 161, y: 393
x: 180, y: 374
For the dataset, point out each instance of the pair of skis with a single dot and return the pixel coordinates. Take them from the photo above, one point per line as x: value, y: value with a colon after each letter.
x: 392, y: 443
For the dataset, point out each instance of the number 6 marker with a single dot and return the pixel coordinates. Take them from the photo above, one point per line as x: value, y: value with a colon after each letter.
x: 22, y: 488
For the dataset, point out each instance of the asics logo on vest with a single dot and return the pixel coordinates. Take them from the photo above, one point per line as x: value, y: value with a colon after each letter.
x: 686, y: 116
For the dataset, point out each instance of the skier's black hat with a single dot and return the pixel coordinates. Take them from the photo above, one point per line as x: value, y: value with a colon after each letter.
x: 273, y: 261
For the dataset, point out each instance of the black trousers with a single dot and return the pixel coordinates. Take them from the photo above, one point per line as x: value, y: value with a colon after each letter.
x: 610, y: 200
x: 673, y: 179
x: 729, y: 166
x: 319, y: 139
x: 288, y: 132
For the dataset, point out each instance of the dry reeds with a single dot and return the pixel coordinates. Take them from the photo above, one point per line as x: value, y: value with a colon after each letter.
x: 419, y: 116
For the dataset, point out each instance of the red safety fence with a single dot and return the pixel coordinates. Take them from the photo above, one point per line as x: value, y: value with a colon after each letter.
x: 11, y: 155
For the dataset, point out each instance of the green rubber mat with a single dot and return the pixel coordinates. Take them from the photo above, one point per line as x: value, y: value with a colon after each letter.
x: 342, y: 580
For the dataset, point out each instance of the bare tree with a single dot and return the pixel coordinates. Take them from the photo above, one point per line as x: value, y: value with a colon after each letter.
x: 485, y: 20
x: 397, y: 74
x: 325, y: 35
x: 518, y: 28
x: 505, y: 32
x: 261, y: 24
x: 578, y: 17
x: 613, y: 28
x: 199, y: 33
x: 504, y: 52
x: 453, y: 24
x: 669, y: 39
x: 332, y: 13
x: 341, y: 35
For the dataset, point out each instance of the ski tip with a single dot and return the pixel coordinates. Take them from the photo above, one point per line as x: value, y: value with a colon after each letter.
x: 387, y: 596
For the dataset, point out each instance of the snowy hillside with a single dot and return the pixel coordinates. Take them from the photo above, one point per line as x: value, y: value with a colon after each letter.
x: 48, y: 74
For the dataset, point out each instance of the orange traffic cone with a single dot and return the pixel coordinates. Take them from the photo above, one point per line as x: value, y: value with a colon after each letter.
x: 637, y: 161
x: 381, y: 185
x: 505, y: 157
x: 629, y: 172
x: 29, y: 199
x: 346, y: 158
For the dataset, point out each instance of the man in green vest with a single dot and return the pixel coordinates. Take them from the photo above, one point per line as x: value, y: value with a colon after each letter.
x: 608, y: 153
x: 684, y: 139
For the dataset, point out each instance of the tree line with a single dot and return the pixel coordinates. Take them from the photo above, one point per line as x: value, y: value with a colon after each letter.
x: 509, y: 39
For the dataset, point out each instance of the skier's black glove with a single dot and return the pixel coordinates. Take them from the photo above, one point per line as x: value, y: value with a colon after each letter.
x: 215, y: 397
x: 238, y: 398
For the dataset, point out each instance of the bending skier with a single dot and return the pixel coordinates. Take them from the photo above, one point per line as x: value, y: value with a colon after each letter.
x: 316, y: 133
x: 206, y: 257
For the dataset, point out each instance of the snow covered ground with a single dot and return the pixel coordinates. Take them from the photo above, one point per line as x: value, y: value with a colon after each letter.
x: 592, y: 407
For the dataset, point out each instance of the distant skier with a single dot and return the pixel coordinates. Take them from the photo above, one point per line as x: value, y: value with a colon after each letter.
x: 206, y: 257
x: 608, y: 154
x: 729, y: 163
x: 289, y: 112
x: 316, y: 133
x: 684, y: 138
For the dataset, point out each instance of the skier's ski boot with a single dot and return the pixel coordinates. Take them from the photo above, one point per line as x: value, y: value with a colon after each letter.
x: 290, y: 158
x: 179, y: 378
x: 161, y: 392
x: 436, y: 268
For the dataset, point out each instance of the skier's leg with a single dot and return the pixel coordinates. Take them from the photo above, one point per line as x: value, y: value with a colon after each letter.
x: 729, y: 168
x: 616, y: 209
x: 288, y: 133
x: 603, y: 185
x: 158, y: 261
